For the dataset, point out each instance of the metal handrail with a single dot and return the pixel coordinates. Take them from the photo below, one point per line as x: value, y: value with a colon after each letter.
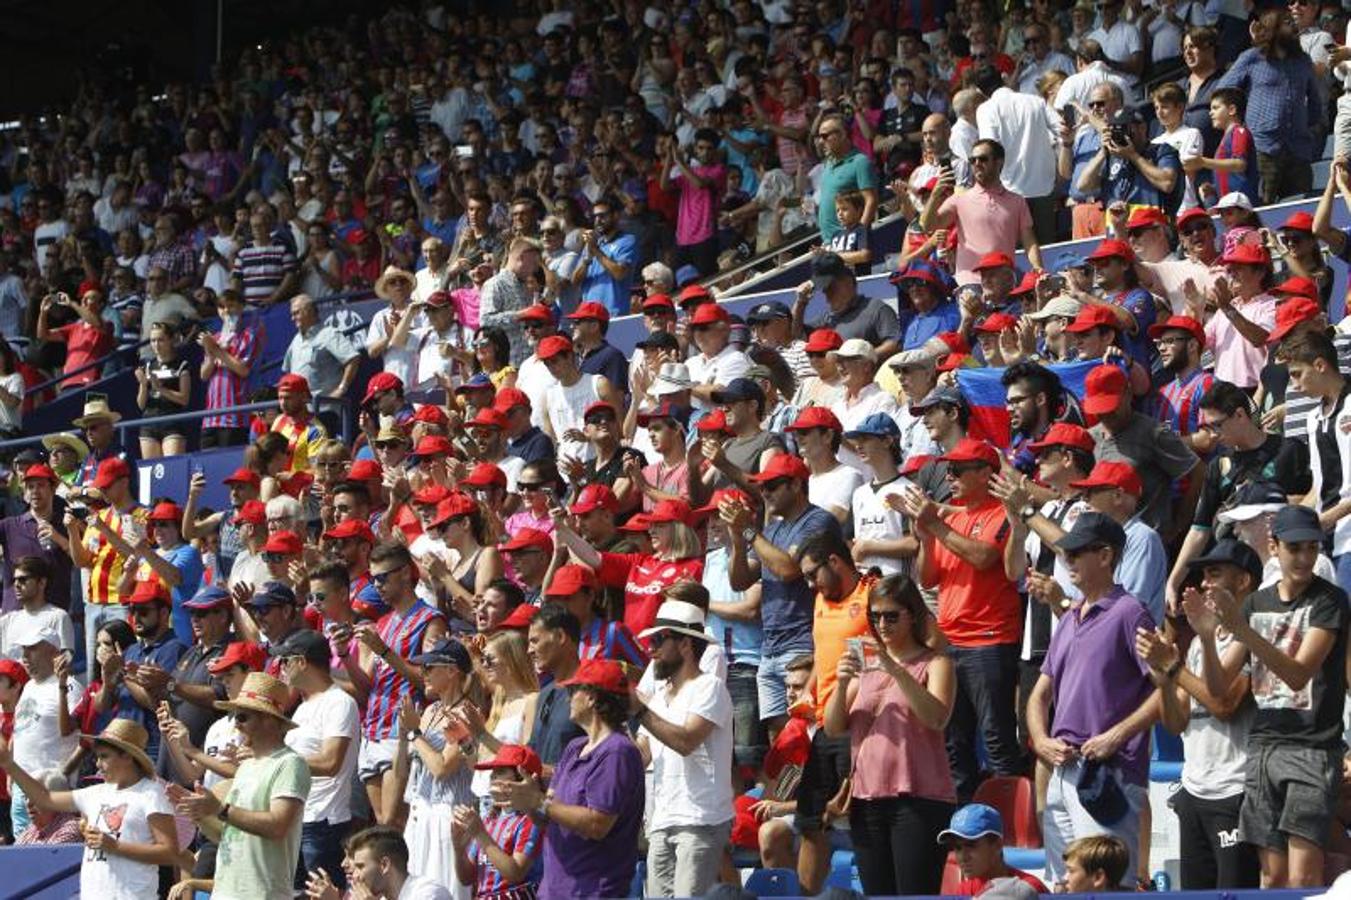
x: 760, y: 259
x: 94, y: 364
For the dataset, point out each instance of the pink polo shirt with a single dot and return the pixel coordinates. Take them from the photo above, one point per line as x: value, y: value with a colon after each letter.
x: 1236, y: 360
x: 988, y: 221
x: 698, y: 210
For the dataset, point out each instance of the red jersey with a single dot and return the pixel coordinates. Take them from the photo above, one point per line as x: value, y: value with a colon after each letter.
x: 977, y: 607
x: 643, y: 578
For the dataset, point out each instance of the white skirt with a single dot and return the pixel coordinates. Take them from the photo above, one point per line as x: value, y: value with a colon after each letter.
x: 430, y: 852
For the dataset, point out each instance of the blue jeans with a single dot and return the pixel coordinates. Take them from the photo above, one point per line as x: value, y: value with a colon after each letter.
x: 1343, y: 566
x: 321, y: 848
x: 750, y: 737
x: 18, y: 810
x: 770, y: 680
x: 987, y: 682
x: 95, y: 616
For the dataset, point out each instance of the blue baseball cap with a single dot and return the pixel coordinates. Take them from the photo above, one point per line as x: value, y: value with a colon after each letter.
x: 446, y: 652
x: 1296, y: 525
x: 876, y: 425
x: 975, y: 820
x: 1071, y: 261
x: 766, y: 312
x: 273, y: 593
x: 686, y: 275
x: 208, y: 597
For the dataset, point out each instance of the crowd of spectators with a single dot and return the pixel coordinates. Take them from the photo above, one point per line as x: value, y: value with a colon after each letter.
x: 765, y: 587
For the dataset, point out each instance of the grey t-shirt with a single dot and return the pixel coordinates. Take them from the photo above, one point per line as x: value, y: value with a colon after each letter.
x: 872, y: 320
x: 744, y: 453
x: 1158, y: 456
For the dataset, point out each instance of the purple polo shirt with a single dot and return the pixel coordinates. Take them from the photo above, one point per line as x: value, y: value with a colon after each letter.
x: 19, y: 536
x: 608, y: 779
x: 1098, y: 679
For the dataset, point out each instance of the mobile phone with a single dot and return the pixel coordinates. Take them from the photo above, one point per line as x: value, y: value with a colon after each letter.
x: 792, y: 202
x: 464, y: 151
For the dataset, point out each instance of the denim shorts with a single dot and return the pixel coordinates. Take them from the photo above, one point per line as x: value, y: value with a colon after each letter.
x: 769, y: 681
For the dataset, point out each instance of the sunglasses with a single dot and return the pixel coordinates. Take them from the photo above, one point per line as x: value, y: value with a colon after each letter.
x: 271, y: 556
x: 379, y: 578
x: 530, y: 486
x: 660, y: 638
x: 600, y: 419
x: 890, y: 616
x: 1197, y: 228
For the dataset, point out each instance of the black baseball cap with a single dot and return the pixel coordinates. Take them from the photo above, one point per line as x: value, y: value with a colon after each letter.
x: 1093, y: 528
x: 305, y: 642
x: 826, y: 268
x: 1234, y: 553
x: 765, y: 312
x: 659, y: 340
x: 1296, y: 524
x: 740, y: 389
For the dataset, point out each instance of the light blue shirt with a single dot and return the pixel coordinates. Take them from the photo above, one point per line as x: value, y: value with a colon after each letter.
x: 740, y: 641
x: 1142, y: 571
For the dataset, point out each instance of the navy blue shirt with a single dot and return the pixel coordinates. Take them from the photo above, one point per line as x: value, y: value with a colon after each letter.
x: 606, y: 360
x: 1123, y: 181
x: 531, y: 446
x: 554, y: 728
x: 786, y: 606
x: 164, y: 652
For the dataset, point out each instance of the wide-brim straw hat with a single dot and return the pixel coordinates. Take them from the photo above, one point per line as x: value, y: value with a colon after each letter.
x: 393, y: 273
x: 95, y: 410
x: 129, y: 737
x: 260, y: 693
x: 67, y: 439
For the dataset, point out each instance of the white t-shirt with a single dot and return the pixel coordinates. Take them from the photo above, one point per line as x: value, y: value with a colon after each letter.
x: 125, y: 814
x: 564, y: 406
x: 399, y: 361
x: 874, y: 520
x: 1214, y: 750
x: 38, y: 743
x: 418, y: 887
x: 1118, y: 44
x: 221, y: 734
x: 835, y: 489
x: 730, y: 363
x: 1187, y: 142
x: 694, y: 789
x: 21, y: 620
x: 330, y: 714
x: 533, y: 380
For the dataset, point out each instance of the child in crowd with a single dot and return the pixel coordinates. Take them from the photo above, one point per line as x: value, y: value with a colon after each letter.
x: 1235, y: 161
x: 851, y: 242
x: 1095, y: 864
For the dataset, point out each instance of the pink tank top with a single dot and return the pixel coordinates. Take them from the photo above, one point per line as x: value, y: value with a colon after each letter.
x: 893, y: 753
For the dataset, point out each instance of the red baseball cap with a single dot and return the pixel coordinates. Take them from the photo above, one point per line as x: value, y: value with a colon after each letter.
x: 536, y: 313
x: 1299, y: 286
x: 1189, y: 215
x: 599, y: 406
x: 519, y: 618
x: 636, y: 525
x: 439, y: 299
x: 954, y: 341
x: 722, y: 494
x: 14, y: 671
x: 513, y: 756
x: 708, y: 313
x: 243, y: 476
x: 1246, y: 255
x: 669, y: 511
x: 253, y: 512
x: 1113, y: 249
x: 782, y: 465
x: 239, y: 653
x: 431, y: 414
x: 351, y: 528
x: 381, y: 382
x: 993, y: 261
x: 489, y: 417
x: 457, y: 504
x: 570, y: 579
x: 816, y: 417
x: 166, y: 511
x: 590, y: 310
x: 529, y: 539
x: 913, y: 464
x: 40, y: 470
x: 1112, y: 474
x: 602, y: 674
x: 594, y: 497
x: 1299, y: 221
x: 1103, y: 389
x: 1093, y: 315
x: 553, y: 345
x: 1146, y: 217
x: 1064, y: 434
x: 823, y: 340
x: 109, y: 471
x: 485, y: 474
x: 951, y: 361
x: 1027, y: 284
x: 658, y: 302
x: 693, y: 292
x: 1179, y: 323
x: 152, y: 591
x: 1293, y: 312
x: 997, y: 322
x: 365, y: 470
x: 433, y: 445
x: 287, y: 542
x: 713, y: 423
x: 972, y: 450
x: 293, y: 384
x: 509, y: 398
x: 431, y: 494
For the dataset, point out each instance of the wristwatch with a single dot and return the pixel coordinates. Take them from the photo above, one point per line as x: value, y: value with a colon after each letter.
x: 414, y: 734
x: 1173, y: 669
x: 224, y: 814
x: 748, y: 534
x: 1027, y: 512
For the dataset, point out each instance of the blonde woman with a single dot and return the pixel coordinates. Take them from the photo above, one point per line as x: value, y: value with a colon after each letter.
x: 506, y: 671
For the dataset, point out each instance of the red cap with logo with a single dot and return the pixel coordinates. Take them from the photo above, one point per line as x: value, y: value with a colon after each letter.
x: 667, y: 511
x: 147, y: 592
x: 1094, y: 315
x: 489, y: 417
x: 253, y: 512
x: 1112, y: 474
x: 239, y: 653
x: 351, y: 528
x: 1113, y: 249
x: 287, y: 543
x: 997, y: 322
x: 431, y: 414
x: 782, y: 465
x: 602, y: 674
x: 722, y: 494
x: 1292, y: 313
x: 594, y: 497
x: 1064, y: 434
x: 40, y: 470
x: 972, y: 450
x: 536, y: 313
x: 1179, y: 323
x: 166, y: 511
x: 1104, y: 388
x: 658, y: 302
x: 570, y: 579
x: 823, y: 340
x: 243, y: 476
x: 509, y: 398
x: 513, y: 756
x: 431, y: 494
x: 1146, y: 217
x: 457, y: 504
x: 590, y: 310
x: 553, y: 345
x: 529, y: 539
x: 993, y: 261
x: 433, y: 445
x: 1246, y: 255
x: 381, y: 382
x: 293, y: 384
x: 691, y: 293
x: 109, y: 471
x: 816, y: 417
x: 519, y: 618
x: 1191, y: 215
x: 709, y: 313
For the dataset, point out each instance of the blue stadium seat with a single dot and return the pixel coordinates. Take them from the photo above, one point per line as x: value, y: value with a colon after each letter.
x: 1026, y: 858
x: 1322, y: 173
x: 1165, y: 762
x: 844, y: 877
x: 773, y: 883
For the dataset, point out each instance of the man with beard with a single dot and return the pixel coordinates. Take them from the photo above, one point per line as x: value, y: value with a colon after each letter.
x: 551, y: 643
x: 1180, y: 340
x: 296, y: 423
x: 946, y: 417
x: 488, y: 429
x: 149, y: 661
x: 1034, y: 398
x: 686, y: 730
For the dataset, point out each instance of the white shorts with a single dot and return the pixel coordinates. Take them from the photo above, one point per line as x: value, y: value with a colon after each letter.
x: 375, y: 757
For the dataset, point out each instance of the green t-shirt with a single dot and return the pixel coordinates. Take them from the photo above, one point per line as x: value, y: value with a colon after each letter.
x: 249, y: 867
x: 853, y: 173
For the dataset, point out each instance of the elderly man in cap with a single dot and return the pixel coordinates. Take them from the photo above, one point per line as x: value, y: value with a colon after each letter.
x: 45, y: 731
x: 1097, y: 744
x: 296, y: 423
x: 1291, y: 638
x: 772, y: 326
x: 1214, y: 730
x: 321, y: 354
x: 262, y: 814
x: 151, y: 661
x: 848, y: 313
x: 41, y: 532
x: 862, y: 396
x: 717, y: 363
x: 1156, y: 452
x: 97, y: 423
x: 979, y: 609
x: 326, y: 736
x: 101, y: 561
x: 686, y: 731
